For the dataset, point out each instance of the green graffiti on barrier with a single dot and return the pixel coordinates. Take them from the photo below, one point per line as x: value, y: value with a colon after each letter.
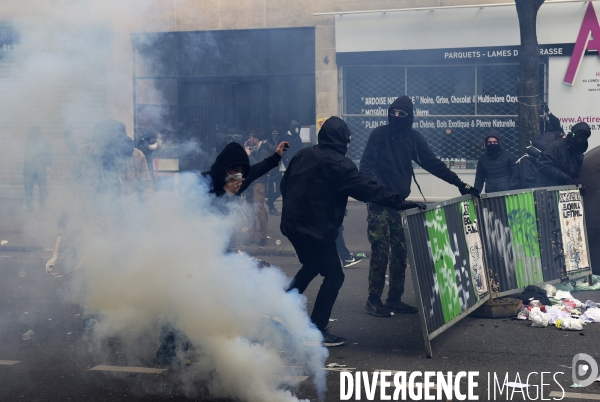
x: 443, y: 260
x: 525, y: 243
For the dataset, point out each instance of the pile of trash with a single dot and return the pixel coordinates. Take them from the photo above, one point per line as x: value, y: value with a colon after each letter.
x: 557, y: 307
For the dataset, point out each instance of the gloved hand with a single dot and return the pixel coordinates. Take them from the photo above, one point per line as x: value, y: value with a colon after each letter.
x: 465, y: 189
x: 582, y: 190
x: 410, y: 205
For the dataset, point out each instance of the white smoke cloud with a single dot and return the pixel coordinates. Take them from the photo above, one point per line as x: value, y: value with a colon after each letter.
x: 73, y: 67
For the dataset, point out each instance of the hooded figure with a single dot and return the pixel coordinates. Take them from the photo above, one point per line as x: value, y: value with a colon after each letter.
x: 293, y: 137
x: 38, y: 159
x: 560, y: 162
x: 108, y: 170
x: 315, y: 189
x: 388, y: 158
x: 495, y: 167
x: 235, y: 155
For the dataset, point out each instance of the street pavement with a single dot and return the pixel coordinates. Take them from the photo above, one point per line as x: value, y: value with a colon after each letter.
x: 56, y: 364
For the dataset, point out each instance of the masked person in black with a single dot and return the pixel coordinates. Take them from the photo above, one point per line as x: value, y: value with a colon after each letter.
x: 293, y: 137
x: 387, y: 158
x: 495, y: 166
x: 560, y: 162
x: 315, y: 189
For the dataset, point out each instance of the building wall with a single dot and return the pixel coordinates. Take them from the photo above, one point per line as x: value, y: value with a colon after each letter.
x: 201, y: 15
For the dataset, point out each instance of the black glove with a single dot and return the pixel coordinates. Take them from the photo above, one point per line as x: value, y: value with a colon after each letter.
x: 410, y: 205
x: 582, y: 190
x: 465, y: 189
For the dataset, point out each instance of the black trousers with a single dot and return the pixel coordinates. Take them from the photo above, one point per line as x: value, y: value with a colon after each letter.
x: 341, y: 245
x: 318, y: 259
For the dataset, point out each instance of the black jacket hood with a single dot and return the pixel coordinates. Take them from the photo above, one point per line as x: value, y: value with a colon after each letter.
x: 293, y: 125
x: 403, y: 103
x: 584, y: 128
x: 233, y: 154
x: 494, y: 134
x: 334, y: 134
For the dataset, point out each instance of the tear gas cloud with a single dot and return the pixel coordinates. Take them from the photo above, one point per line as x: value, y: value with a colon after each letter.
x: 70, y: 68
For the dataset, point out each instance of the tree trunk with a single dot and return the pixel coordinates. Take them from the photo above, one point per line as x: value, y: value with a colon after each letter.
x: 529, y: 80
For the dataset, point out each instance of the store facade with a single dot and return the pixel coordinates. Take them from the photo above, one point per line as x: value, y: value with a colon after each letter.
x: 460, y: 67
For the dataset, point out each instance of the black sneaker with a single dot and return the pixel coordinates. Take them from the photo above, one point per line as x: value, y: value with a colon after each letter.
x: 400, y: 307
x: 352, y: 261
x: 331, y: 340
x: 263, y: 243
x: 377, y: 308
x: 273, y: 212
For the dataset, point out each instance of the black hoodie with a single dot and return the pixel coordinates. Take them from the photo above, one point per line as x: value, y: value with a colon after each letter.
x: 232, y: 155
x: 318, y: 182
x: 390, y: 151
x: 495, y: 169
x: 560, y: 164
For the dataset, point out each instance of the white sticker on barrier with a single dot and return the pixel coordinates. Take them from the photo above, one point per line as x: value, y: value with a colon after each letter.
x: 570, y: 208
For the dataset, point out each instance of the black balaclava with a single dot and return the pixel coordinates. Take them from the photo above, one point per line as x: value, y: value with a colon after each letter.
x: 577, y: 139
x: 492, y: 149
x: 113, y: 143
x: 401, y: 123
x: 232, y: 155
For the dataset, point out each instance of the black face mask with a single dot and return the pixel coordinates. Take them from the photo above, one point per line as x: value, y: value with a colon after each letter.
x: 400, y: 123
x: 577, y: 143
x: 492, y: 149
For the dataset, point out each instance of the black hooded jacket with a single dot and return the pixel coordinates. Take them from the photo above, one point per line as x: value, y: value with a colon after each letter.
x: 318, y: 182
x: 294, y: 139
x: 560, y: 164
x: 232, y: 155
x: 495, y: 170
x: 390, y: 151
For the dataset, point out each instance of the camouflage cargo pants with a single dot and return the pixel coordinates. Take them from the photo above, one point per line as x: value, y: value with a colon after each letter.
x: 388, y: 247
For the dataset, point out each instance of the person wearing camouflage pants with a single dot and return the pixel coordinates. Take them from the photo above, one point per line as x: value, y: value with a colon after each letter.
x: 388, y: 159
x: 388, y: 248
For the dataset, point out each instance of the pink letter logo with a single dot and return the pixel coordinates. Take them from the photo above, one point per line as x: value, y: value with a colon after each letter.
x: 589, y: 27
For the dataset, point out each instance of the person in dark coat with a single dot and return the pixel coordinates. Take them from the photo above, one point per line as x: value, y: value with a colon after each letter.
x: 293, y: 137
x: 37, y: 164
x: 230, y: 175
x: 315, y: 189
x: 495, y: 166
x: 387, y: 158
x: 560, y: 162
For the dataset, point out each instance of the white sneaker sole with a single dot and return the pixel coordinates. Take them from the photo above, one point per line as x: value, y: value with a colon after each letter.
x: 352, y: 263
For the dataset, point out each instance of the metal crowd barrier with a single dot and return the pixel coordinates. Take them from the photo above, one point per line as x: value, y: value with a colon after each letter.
x: 464, y: 251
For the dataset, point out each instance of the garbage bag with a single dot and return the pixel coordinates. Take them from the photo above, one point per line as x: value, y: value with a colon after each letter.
x: 537, y: 318
x: 550, y: 290
x: 591, y: 315
x: 570, y: 324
